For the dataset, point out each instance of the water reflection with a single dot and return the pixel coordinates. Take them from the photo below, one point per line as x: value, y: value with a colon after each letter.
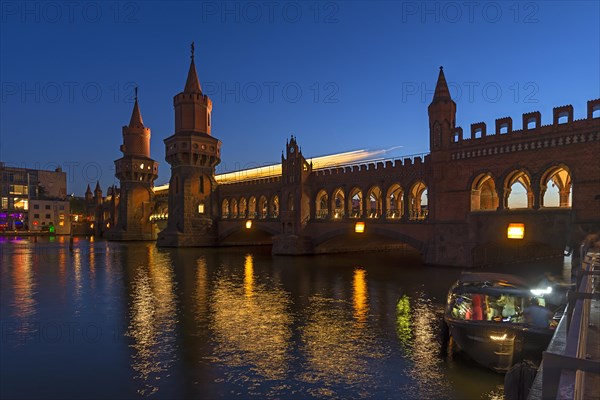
x: 201, y: 292
x: 360, y: 296
x: 425, y: 350
x: 337, y: 350
x: 24, y: 288
x: 403, y: 323
x: 251, y: 325
x: 224, y: 323
x: 153, y: 315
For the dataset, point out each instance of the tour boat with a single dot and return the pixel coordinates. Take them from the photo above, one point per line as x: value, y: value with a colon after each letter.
x: 497, y: 320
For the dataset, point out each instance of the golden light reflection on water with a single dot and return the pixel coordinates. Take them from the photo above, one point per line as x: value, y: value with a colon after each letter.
x: 248, y: 275
x: 201, y: 293
x: 152, y: 322
x: 251, y: 324
x: 24, y: 289
x: 360, y: 296
x: 337, y: 349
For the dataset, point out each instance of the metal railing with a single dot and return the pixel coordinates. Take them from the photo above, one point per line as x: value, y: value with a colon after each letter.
x: 568, y: 370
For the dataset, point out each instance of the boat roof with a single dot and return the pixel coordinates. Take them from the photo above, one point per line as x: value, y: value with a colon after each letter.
x: 492, y: 277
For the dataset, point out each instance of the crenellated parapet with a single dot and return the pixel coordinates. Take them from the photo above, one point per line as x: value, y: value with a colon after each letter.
x: 564, y: 130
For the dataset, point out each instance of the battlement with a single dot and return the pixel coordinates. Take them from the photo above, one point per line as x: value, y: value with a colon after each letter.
x: 392, y: 165
x: 251, y: 181
x: 531, y: 124
x: 192, y: 97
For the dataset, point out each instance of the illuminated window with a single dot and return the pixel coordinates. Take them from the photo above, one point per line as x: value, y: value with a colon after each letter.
x: 21, y: 204
x: 201, y: 208
x: 359, y: 227
x: 18, y: 189
x: 515, y: 231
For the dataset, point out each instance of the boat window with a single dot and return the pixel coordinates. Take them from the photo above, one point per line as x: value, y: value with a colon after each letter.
x: 482, y: 307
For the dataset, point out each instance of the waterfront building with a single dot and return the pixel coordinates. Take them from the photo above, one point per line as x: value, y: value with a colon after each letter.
x: 34, y: 200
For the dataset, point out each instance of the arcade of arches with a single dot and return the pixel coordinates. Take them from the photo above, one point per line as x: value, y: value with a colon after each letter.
x: 519, y: 190
x: 337, y: 204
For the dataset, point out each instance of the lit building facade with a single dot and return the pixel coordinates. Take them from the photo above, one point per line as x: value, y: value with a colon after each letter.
x: 33, y: 200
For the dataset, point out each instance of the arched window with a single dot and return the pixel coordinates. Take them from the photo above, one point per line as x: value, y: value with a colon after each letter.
x: 355, y: 201
x: 483, y: 193
x: 395, y: 202
x: 375, y: 203
x: 274, y: 206
x: 418, y: 201
x: 252, y: 207
x: 322, y: 205
x: 263, y: 207
x: 243, y: 208
x: 290, y: 202
x: 234, y: 208
x: 556, y: 187
x: 517, y: 190
x: 338, y: 203
x: 225, y: 209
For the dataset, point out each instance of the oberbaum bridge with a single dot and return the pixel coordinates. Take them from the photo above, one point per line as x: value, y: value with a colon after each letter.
x: 452, y: 205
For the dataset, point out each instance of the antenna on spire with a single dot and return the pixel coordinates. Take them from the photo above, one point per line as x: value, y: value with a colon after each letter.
x: 192, y: 50
x: 136, y: 90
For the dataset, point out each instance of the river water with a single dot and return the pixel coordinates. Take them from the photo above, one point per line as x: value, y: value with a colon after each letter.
x: 129, y: 320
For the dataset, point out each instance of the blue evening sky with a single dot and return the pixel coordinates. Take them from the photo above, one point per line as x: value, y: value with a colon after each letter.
x: 339, y: 75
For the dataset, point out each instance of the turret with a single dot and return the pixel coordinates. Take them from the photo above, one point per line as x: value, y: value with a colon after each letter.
x: 88, y: 194
x: 136, y: 164
x: 136, y: 137
x: 192, y: 108
x: 442, y: 115
x: 136, y: 172
x: 98, y: 192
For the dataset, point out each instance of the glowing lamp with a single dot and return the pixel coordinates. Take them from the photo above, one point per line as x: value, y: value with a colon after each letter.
x: 359, y: 227
x: 201, y: 208
x: 249, y: 224
x: 515, y: 231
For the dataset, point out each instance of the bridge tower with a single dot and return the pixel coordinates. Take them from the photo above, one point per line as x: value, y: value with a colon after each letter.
x: 136, y: 171
x: 295, y: 202
x: 442, y: 200
x: 193, y: 155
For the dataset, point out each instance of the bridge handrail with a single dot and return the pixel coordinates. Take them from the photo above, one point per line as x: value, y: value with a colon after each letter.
x: 557, y: 367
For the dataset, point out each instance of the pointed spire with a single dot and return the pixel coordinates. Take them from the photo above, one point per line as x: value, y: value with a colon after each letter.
x: 97, y: 187
x: 88, y: 190
x: 192, y: 85
x: 136, y: 115
x: 441, y: 88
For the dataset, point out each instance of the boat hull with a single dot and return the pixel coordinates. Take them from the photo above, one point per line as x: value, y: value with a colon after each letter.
x: 498, y: 346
